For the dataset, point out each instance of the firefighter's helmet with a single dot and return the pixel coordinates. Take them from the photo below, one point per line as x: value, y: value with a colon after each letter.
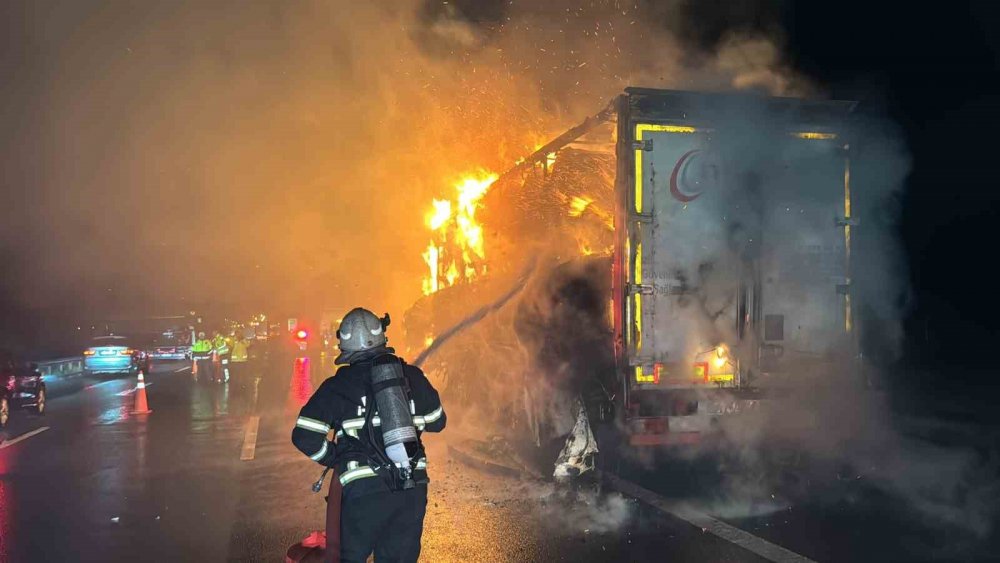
x: 361, y: 330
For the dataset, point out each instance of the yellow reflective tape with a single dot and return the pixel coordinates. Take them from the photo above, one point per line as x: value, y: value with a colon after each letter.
x: 638, y: 176
x: 643, y: 378
x: 660, y: 128
x: 638, y: 298
x: 814, y: 135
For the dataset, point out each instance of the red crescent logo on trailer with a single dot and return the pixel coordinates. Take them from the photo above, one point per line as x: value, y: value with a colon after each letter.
x: 679, y: 169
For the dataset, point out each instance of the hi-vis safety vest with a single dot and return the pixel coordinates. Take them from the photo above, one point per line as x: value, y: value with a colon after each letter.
x: 220, y: 345
x: 239, y: 353
x: 201, y: 346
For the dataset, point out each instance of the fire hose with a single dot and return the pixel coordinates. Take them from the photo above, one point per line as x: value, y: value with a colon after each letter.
x: 477, y: 316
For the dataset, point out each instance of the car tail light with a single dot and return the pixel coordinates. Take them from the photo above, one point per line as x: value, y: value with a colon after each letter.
x: 125, y: 352
x: 89, y: 352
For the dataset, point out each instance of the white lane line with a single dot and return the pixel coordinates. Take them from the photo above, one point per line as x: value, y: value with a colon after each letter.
x: 250, y: 439
x: 87, y: 388
x: 185, y: 368
x: 732, y: 534
x: 22, y: 437
x: 130, y: 391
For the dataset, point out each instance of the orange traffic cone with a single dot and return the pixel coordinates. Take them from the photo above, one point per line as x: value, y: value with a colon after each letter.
x: 141, y: 406
x: 194, y: 367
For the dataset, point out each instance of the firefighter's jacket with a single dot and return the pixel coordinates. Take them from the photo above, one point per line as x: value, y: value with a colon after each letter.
x: 339, y: 405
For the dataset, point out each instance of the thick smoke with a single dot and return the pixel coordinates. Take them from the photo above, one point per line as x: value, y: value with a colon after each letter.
x: 271, y: 155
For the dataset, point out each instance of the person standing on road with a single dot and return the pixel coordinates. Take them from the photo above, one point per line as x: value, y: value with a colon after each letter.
x: 239, y: 354
x: 380, y: 462
x: 201, y: 353
x: 222, y: 356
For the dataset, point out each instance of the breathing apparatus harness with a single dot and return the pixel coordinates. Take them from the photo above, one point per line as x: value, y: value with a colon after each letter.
x: 372, y: 451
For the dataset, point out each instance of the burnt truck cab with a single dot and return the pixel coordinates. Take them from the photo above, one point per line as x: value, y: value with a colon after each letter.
x: 732, y: 257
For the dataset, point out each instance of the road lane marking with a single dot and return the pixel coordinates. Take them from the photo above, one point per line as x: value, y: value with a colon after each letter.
x: 185, y: 368
x: 732, y: 534
x: 23, y: 437
x: 130, y: 391
x: 250, y: 439
x: 89, y: 387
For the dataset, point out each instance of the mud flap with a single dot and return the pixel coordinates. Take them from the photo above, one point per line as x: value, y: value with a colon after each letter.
x: 577, y: 456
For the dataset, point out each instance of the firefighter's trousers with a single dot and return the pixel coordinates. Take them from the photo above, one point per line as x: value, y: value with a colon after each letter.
x: 388, y: 523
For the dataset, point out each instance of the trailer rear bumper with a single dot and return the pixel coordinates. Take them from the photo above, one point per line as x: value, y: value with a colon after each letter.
x: 665, y: 439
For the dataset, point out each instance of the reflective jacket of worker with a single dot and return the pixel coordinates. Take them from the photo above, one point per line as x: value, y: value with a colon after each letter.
x: 240, y: 350
x: 220, y: 344
x: 202, y: 346
x: 374, y: 517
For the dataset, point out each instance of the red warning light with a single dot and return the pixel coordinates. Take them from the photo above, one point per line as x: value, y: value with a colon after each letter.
x: 302, y: 334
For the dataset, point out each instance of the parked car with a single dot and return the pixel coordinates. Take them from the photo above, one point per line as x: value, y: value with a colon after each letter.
x: 21, y: 385
x: 169, y: 347
x: 114, y: 354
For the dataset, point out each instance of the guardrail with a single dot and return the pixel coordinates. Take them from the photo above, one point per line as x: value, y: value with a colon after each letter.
x: 61, y: 367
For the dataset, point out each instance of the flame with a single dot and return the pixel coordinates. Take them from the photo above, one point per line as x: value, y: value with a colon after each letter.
x: 431, y: 258
x: 440, y: 215
x: 578, y: 205
x: 452, y: 274
x: 457, y: 234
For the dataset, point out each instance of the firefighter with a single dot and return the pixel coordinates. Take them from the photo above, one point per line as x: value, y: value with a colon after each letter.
x: 381, y: 464
x: 201, y: 353
x: 221, y: 348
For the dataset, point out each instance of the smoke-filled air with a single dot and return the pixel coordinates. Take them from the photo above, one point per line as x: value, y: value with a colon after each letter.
x: 626, y: 241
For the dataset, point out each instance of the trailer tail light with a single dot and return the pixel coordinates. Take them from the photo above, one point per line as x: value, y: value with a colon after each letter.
x: 89, y: 352
x: 701, y: 372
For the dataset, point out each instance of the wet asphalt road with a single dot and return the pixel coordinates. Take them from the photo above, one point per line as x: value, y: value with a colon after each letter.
x: 101, y: 484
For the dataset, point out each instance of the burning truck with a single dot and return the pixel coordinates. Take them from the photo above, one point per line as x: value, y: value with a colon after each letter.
x: 661, y: 265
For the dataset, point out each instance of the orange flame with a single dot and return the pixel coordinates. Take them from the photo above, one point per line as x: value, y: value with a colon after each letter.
x: 578, y: 205
x: 457, y: 234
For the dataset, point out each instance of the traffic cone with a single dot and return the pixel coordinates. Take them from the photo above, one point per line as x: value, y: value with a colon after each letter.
x: 194, y: 367
x: 141, y: 406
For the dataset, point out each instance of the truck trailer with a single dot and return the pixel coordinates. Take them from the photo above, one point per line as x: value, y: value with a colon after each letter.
x: 726, y: 247
x: 732, y: 259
